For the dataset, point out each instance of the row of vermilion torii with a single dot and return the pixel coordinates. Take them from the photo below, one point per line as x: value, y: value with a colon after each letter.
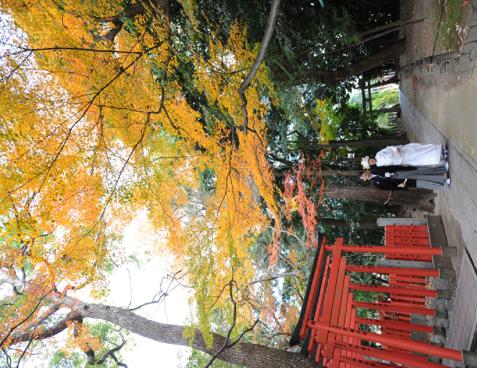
x: 411, y: 165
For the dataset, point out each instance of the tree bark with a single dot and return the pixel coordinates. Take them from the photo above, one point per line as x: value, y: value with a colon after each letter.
x: 338, y: 172
x: 280, y: 173
x: 408, y: 198
x: 377, y: 141
x: 364, y: 225
x: 235, y: 352
x: 272, y: 18
x: 243, y: 353
x: 373, y: 61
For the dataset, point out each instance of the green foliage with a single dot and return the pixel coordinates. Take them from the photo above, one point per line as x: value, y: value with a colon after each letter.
x: 208, y: 180
x: 385, y: 98
x: 108, y: 337
x: 355, y: 125
x: 189, y: 333
x: 61, y: 360
x: 308, y: 35
x: 329, y: 120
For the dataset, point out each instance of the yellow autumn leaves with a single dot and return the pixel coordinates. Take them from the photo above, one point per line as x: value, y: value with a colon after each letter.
x: 107, y: 133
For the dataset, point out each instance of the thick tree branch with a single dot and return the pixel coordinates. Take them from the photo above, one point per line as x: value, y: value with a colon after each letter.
x: 40, y: 319
x: 242, y: 353
x: 272, y: 17
x: 48, y: 332
x: 234, y: 321
x: 130, y: 12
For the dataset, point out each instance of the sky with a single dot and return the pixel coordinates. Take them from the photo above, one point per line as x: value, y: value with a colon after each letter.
x: 139, y: 284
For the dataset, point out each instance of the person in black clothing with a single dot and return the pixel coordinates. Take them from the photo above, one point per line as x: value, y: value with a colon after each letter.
x: 378, y: 179
x: 396, y: 177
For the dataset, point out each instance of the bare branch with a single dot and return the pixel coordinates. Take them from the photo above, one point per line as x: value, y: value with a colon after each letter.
x: 12, y: 72
x: 116, y: 360
x: 8, y: 358
x: 243, y: 333
x: 227, y: 344
x: 234, y: 321
x: 118, y: 178
x: 160, y: 295
x: 26, y: 348
x: 111, y: 353
x: 31, y: 50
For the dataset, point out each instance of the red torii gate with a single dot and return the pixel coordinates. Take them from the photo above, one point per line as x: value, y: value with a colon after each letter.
x: 336, y: 336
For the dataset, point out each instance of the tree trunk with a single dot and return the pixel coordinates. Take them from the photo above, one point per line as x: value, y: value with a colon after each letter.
x: 346, y: 161
x: 280, y: 173
x: 243, y: 353
x: 377, y: 141
x: 371, y: 62
x: 396, y: 24
x: 338, y: 172
x: 362, y: 224
x: 408, y: 198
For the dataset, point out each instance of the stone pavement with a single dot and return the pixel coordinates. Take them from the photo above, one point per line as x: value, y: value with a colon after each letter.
x: 461, y: 332
x: 439, y: 105
x: 444, y: 91
x: 458, y: 207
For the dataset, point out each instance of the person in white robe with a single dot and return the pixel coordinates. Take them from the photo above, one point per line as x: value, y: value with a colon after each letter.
x: 412, y: 154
